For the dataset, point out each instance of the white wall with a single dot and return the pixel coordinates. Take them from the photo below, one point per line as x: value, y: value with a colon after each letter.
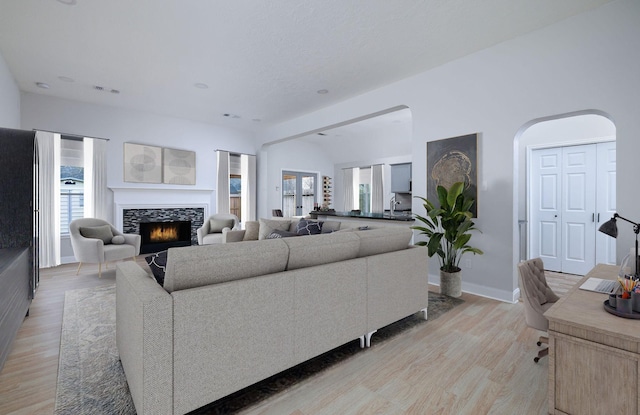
x: 9, y: 98
x: 120, y: 126
x: 586, y: 62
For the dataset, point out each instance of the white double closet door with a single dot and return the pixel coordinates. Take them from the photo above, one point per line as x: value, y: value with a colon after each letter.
x: 572, y: 192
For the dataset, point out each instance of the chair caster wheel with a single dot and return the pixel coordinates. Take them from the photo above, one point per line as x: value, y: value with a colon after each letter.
x: 536, y: 359
x: 539, y: 343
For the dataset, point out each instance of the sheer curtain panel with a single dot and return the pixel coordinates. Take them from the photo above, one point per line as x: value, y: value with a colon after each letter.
x: 377, y: 188
x: 49, y: 201
x: 222, y: 191
x: 248, y: 187
x: 96, y: 193
x: 347, y: 185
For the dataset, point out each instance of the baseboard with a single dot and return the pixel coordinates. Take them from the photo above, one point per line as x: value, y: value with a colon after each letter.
x: 68, y: 260
x: 483, y: 291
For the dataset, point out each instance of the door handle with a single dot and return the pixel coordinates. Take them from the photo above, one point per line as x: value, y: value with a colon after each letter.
x: 593, y: 217
x: 598, y: 217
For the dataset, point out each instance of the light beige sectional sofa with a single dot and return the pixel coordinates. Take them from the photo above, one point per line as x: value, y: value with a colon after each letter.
x: 230, y: 315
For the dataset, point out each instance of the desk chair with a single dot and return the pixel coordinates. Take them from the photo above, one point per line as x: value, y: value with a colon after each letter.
x: 537, y: 298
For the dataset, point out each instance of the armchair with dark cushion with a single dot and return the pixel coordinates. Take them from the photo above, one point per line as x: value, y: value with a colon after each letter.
x: 97, y: 241
x: 212, y: 228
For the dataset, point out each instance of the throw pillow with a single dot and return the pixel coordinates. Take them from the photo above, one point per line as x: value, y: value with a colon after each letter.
x: 267, y: 226
x: 97, y: 232
x: 277, y: 234
x: 158, y: 264
x: 117, y: 240
x: 217, y: 225
x: 251, y: 231
x: 308, y: 227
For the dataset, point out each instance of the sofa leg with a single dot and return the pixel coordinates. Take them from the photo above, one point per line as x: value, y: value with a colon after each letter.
x: 78, y: 270
x: 424, y: 313
x: 368, y: 338
x: 361, y: 342
x: 100, y: 270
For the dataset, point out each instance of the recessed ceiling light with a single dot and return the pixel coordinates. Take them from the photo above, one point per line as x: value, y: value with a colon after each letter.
x: 321, y: 134
x: 114, y: 91
x: 200, y: 85
x: 42, y: 85
x: 68, y: 2
x: 66, y: 79
x: 256, y: 120
x: 322, y: 91
x: 230, y: 115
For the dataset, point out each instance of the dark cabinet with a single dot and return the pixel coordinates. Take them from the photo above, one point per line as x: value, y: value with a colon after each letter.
x: 19, y: 274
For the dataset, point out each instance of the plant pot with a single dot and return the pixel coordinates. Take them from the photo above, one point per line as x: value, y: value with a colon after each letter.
x: 451, y: 283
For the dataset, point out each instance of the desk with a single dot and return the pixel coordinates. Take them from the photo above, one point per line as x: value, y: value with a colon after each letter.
x: 593, y: 355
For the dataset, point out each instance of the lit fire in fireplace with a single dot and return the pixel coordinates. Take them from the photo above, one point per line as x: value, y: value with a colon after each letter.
x: 164, y: 233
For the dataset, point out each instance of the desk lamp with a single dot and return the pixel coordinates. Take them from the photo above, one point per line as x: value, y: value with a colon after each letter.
x: 611, y: 228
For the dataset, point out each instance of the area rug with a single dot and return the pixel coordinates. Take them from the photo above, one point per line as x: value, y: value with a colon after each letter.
x: 91, y: 379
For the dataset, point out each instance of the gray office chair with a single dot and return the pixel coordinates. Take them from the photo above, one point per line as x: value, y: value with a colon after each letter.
x: 537, y: 298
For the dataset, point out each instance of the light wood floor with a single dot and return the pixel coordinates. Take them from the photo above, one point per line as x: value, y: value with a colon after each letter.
x: 475, y: 359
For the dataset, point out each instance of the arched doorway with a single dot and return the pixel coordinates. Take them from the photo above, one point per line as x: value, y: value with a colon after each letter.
x: 566, y: 190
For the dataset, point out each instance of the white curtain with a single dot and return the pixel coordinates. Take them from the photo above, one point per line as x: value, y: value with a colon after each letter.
x: 96, y: 193
x: 377, y: 189
x: 222, y: 194
x: 248, y: 187
x: 347, y: 185
x: 49, y: 197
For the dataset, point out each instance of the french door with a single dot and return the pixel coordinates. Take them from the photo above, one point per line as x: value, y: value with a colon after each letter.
x: 298, y: 192
x: 572, y: 192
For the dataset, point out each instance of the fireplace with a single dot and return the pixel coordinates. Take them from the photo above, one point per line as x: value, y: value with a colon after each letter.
x: 158, y: 236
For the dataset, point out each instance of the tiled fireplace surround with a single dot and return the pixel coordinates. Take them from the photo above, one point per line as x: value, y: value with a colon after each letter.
x: 135, y: 205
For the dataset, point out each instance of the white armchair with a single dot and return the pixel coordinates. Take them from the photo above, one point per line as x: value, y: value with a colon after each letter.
x: 97, y: 241
x: 212, y: 229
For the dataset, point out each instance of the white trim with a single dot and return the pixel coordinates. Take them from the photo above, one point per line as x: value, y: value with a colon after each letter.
x: 483, y: 291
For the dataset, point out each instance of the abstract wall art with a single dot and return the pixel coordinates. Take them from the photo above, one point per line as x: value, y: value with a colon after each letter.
x: 453, y: 160
x: 142, y: 163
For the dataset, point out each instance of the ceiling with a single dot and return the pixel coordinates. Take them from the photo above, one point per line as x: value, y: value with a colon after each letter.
x: 261, y: 61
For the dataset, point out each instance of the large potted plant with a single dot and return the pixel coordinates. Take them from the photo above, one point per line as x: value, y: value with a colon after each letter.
x: 448, y: 228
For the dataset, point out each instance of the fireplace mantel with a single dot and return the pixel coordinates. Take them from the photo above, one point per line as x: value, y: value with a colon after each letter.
x: 158, y: 198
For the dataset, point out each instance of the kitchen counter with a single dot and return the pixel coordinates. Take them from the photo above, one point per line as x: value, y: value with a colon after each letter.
x: 401, y: 216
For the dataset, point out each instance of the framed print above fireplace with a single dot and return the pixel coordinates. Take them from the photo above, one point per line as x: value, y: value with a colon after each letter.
x: 142, y: 163
x: 179, y: 166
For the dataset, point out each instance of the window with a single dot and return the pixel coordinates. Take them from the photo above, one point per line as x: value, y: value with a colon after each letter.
x: 364, y: 188
x: 71, y: 182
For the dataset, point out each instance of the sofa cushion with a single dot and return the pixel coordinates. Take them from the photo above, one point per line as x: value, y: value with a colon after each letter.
x: 251, y: 230
x: 381, y: 240
x: 321, y: 249
x: 196, y: 266
x: 267, y: 226
x: 102, y: 232
x: 276, y: 234
x: 117, y: 239
x: 308, y: 227
x: 158, y: 264
x: 329, y: 226
x: 217, y: 225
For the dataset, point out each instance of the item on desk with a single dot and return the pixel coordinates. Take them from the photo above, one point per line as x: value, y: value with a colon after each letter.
x: 624, y: 305
x: 635, y: 300
x: 628, y: 285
